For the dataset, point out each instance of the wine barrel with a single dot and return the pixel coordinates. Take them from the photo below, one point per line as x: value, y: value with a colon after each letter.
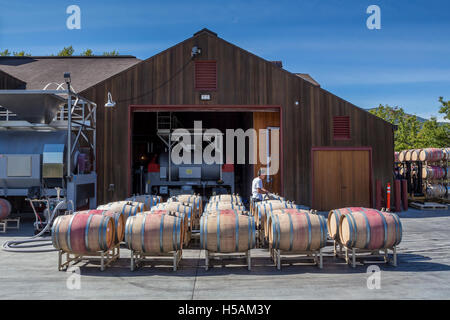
x: 436, y: 191
x: 415, y: 154
x: 431, y: 154
x: 127, y: 208
x: 119, y: 221
x: 193, y: 199
x: 224, y: 206
x: 297, y: 232
x: 446, y: 152
x: 227, y: 231
x: 401, y: 156
x: 177, y: 207
x: 5, y: 209
x: 226, y: 198
x: 148, y: 200
x: 83, y: 233
x: 154, y: 233
x: 277, y: 212
x: 264, y: 207
x: 433, y: 172
x: 333, y: 220
x: 370, y: 229
x: 408, y: 155
x: 214, y: 211
x: 186, y: 231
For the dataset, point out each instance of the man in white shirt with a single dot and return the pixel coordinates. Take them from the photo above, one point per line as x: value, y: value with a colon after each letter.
x: 257, y: 187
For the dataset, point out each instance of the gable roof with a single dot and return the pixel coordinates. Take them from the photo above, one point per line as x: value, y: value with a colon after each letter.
x: 85, y: 72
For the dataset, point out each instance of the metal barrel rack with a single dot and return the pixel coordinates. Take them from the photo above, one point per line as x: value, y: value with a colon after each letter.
x: 4, y: 224
x: 315, y: 255
x: 105, y: 257
x: 138, y: 259
x: 209, y: 255
x: 352, y: 254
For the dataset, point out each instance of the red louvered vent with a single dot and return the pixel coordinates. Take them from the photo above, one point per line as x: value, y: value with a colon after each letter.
x: 206, y: 75
x: 341, y: 128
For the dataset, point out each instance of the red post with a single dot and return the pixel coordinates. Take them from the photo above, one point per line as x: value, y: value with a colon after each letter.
x: 398, y: 196
x: 388, y: 200
x: 405, y: 194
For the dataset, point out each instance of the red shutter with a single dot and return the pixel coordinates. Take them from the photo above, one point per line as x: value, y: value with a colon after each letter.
x: 205, y: 75
x: 341, y: 128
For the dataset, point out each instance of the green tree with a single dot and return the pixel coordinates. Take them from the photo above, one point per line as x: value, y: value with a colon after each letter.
x: 408, y: 127
x: 433, y: 134
x: 66, y: 52
x: 87, y: 52
x: 5, y: 53
x: 112, y: 53
x: 445, y: 108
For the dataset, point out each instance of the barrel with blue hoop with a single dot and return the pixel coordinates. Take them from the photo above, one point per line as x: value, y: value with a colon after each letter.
x: 226, y: 198
x: 263, y: 208
x: 227, y: 232
x: 147, y: 199
x: 154, y: 233
x: 333, y: 220
x: 224, y: 206
x: 127, y: 208
x: 298, y: 231
x: 83, y: 233
x: 177, y: 207
x: 370, y: 229
x: 5, y: 208
x: 119, y: 221
x: 276, y: 212
x: 186, y: 232
x: 196, y: 200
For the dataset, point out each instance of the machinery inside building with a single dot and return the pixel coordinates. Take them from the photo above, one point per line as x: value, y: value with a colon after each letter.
x: 151, y: 147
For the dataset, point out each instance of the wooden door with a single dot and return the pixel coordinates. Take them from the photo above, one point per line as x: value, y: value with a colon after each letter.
x: 341, y: 179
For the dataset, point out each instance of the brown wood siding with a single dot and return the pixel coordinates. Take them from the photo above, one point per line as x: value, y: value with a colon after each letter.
x: 242, y: 78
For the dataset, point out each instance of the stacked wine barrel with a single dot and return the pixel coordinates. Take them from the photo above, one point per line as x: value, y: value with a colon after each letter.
x: 87, y: 232
x: 226, y: 226
x: 5, y: 209
x: 434, y: 169
x: 364, y: 228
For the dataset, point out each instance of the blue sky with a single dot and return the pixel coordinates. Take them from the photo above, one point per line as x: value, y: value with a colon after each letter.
x: 406, y: 63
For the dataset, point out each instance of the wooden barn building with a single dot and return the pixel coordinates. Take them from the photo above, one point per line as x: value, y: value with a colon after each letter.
x: 331, y: 152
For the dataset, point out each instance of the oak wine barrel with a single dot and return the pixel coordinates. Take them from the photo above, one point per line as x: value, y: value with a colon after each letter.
x: 401, y: 156
x: 431, y: 154
x: 226, y: 198
x: 415, y: 154
x: 148, y: 200
x: 83, y: 233
x: 127, y: 208
x: 224, y: 206
x: 186, y: 231
x: 436, y: 191
x: 333, y: 220
x: 370, y: 229
x: 446, y: 152
x: 177, y: 207
x: 5, y: 208
x: 196, y: 200
x: 119, y: 221
x: 297, y: 232
x: 264, y: 207
x: 433, y: 172
x: 154, y: 233
x: 408, y: 155
x: 277, y: 212
x: 227, y: 232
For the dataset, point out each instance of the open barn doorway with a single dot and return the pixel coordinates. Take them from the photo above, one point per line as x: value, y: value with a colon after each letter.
x: 152, y: 172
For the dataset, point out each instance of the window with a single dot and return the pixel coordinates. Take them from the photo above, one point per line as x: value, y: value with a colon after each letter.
x: 206, y: 75
x: 341, y: 128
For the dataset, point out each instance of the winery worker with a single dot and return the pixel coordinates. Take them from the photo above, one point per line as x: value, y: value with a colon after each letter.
x: 257, y: 187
